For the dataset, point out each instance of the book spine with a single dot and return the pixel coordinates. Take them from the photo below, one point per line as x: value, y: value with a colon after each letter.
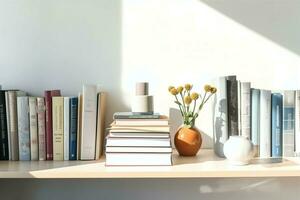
x: 58, y: 127
x: 239, y: 108
x: 255, y: 119
x: 100, y: 124
x: 13, y: 125
x: 297, y: 123
x: 33, y: 128
x: 89, y: 113
x: 220, y: 117
x: 277, y: 110
x: 41, y: 127
x: 49, y: 129
x: 265, y: 123
x: 73, y: 128
x: 246, y: 109
x: 66, y: 127
x: 79, y: 125
x: 289, y: 124
x: 3, y: 124
x: 8, y: 125
x: 23, y: 128
x: 232, y: 100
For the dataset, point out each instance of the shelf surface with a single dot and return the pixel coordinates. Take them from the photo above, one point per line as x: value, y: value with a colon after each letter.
x: 206, y: 164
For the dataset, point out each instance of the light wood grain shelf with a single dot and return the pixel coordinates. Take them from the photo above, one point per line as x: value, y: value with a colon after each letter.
x: 206, y: 164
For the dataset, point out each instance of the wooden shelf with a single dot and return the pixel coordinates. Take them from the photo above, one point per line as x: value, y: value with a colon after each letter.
x: 206, y: 164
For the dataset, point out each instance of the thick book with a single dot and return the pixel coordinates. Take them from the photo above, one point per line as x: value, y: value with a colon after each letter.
x: 220, y: 117
x: 49, y: 131
x: 100, y: 129
x: 130, y: 115
x: 33, y: 128
x: 73, y: 128
x: 265, y: 124
x: 297, y: 123
x: 139, y: 134
x: 8, y: 124
x: 41, y: 127
x: 138, y: 142
x: 79, y: 125
x: 138, y: 149
x: 88, y: 129
x: 66, y: 127
x: 4, y: 153
x: 246, y: 109
x: 58, y: 127
x: 232, y: 100
x: 138, y: 159
x: 152, y: 129
x: 277, y: 111
x: 288, y: 147
x: 23, y: 128
x: 162, y: 121
x: 255, y: 119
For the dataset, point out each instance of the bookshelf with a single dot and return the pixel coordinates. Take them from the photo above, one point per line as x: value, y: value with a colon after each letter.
x: 205, y: 165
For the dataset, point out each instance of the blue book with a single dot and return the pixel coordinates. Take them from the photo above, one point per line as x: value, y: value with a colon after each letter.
x: 73, y: 128
x: 277, y: 125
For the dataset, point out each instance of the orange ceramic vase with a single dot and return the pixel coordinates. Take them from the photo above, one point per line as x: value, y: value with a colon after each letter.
x: 188, y: 141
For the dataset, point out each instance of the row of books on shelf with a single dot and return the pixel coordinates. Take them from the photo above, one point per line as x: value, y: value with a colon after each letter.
x: 271, y: 119
x: 136, y: 139
x: 52, y: 127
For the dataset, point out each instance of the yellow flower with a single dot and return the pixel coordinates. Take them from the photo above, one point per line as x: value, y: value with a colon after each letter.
x: 207, y: 88
x: 180, y: 89
x: 187, y: 100
x: 194, y: 96
x: 213, y: 90
x: 188, y: 87
x: 174, y: 91
x: 170, y: 88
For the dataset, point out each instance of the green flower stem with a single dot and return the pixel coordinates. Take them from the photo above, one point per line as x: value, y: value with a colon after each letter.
x: 194, y: 107
x: 183, y: 103
x: 179, y: 106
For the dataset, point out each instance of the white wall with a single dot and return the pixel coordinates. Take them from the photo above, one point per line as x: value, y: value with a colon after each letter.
x: 65, y: 43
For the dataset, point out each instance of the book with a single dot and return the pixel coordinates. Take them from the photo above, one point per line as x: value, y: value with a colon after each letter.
x: 232, y: 107
x: 220, y: 117
x: 265, y: 124
x: 138, y: 142
x: 139, y: 134
x: 73, y: 128
x: 288, y: 124
x: 162, y: 121
x: 88, y: 129
x: 4, y: 154
x: 41, y: 127
x: 136, y: 159
x: 33, y: 128
x: 100, y: 129
x: 58, y: 127
x: 66, y: 127
x: 246, y: 109
x: 49, y: 131
x: 138, y: 149
x: 23, y: 128
x: 13, y: 123
x: 277, y: 110
x: 8, y: 124
x: 239, y: 108
x: 297, y: 123
x: 130, y: 115
x: 153, y: 129
x: 79, y: 125
x: 255, y: 119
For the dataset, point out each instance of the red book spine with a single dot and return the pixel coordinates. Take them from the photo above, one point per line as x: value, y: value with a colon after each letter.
x: 49, y: 131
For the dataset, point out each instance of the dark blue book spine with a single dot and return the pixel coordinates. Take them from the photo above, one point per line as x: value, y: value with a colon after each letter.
x: 277, y: 124
x: 3, y: 130
x: 73, y: 128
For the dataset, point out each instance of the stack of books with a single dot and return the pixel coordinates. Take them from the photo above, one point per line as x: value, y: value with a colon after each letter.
x: 139, y: 140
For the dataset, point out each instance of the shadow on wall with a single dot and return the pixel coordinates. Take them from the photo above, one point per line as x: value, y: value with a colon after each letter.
x: 276, y: 20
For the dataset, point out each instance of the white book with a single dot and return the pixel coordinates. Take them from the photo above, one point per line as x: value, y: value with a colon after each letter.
x: 41, y: 109
x: 138, y: 149
x: 297, y: 123
x: 8, y: 125
x: 246, y: 109
x: 220, y: 116
x: 141, y: 135
x: 138, y: 142
x: 66, y: 127
x: 33, y: 128
x: 23, y: 128
x: 255, y: 120
x: 288, y: 148
x: 163, y: 121
x: 88, y: 129
x: 265, y: 124
x: 136, y: 159
x: 100, y: 131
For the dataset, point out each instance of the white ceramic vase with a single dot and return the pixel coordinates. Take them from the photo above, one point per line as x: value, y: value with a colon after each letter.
x: 238, y: 150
